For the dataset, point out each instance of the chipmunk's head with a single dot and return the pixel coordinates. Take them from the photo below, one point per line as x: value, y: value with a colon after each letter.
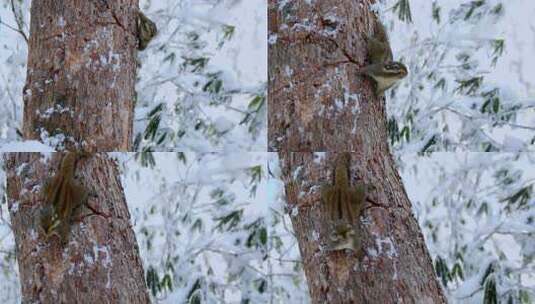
x: 395, y: 69
x: 386, y: 74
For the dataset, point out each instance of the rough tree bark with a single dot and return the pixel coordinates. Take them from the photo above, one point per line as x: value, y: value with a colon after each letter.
x: 100, y: 263
x: 81, y: 73
x: 79, y: 90
x: 395, y: 267
x: 318, y: 103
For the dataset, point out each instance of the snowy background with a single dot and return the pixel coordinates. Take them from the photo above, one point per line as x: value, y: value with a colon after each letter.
x: 470, y: 88
x: 201, y: 85
x: 471, y: 70
x: 199, y: 221
x: 477, y: 215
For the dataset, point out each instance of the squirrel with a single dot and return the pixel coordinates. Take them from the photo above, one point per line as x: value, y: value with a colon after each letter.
x: 382, y: 69
x: 344, y: 205
x: 62, y: 195
x: 146, y: 30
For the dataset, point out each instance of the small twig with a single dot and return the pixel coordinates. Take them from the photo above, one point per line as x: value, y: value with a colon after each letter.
x: 14, y: 29
x: 18, y: 20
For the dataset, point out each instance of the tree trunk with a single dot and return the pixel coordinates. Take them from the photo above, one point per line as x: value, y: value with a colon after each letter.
x: 81, y: 74
x: 79, y: 95
x: 100, y: 262
x: 318, y: 103
x: 395, y: 266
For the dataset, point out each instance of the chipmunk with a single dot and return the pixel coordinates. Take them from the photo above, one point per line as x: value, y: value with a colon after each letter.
x: 146, y: 31
x: 62, y: 196
x: 382, y: 69
x: 344, y: 204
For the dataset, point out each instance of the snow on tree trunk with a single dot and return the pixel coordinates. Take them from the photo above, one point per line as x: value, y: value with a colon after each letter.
x: 100, y: 262
x: 81, y: 73
x: 395, y: 266
x: 79, y: 95
x: 316, y: 100
x: 318, y: 103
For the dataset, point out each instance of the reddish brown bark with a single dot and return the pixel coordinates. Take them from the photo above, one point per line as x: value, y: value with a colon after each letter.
x: 318, y: 103
x: 100, y: 263
x: 80, y: 84
x: 81, y: 73
x: 395, y: 266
